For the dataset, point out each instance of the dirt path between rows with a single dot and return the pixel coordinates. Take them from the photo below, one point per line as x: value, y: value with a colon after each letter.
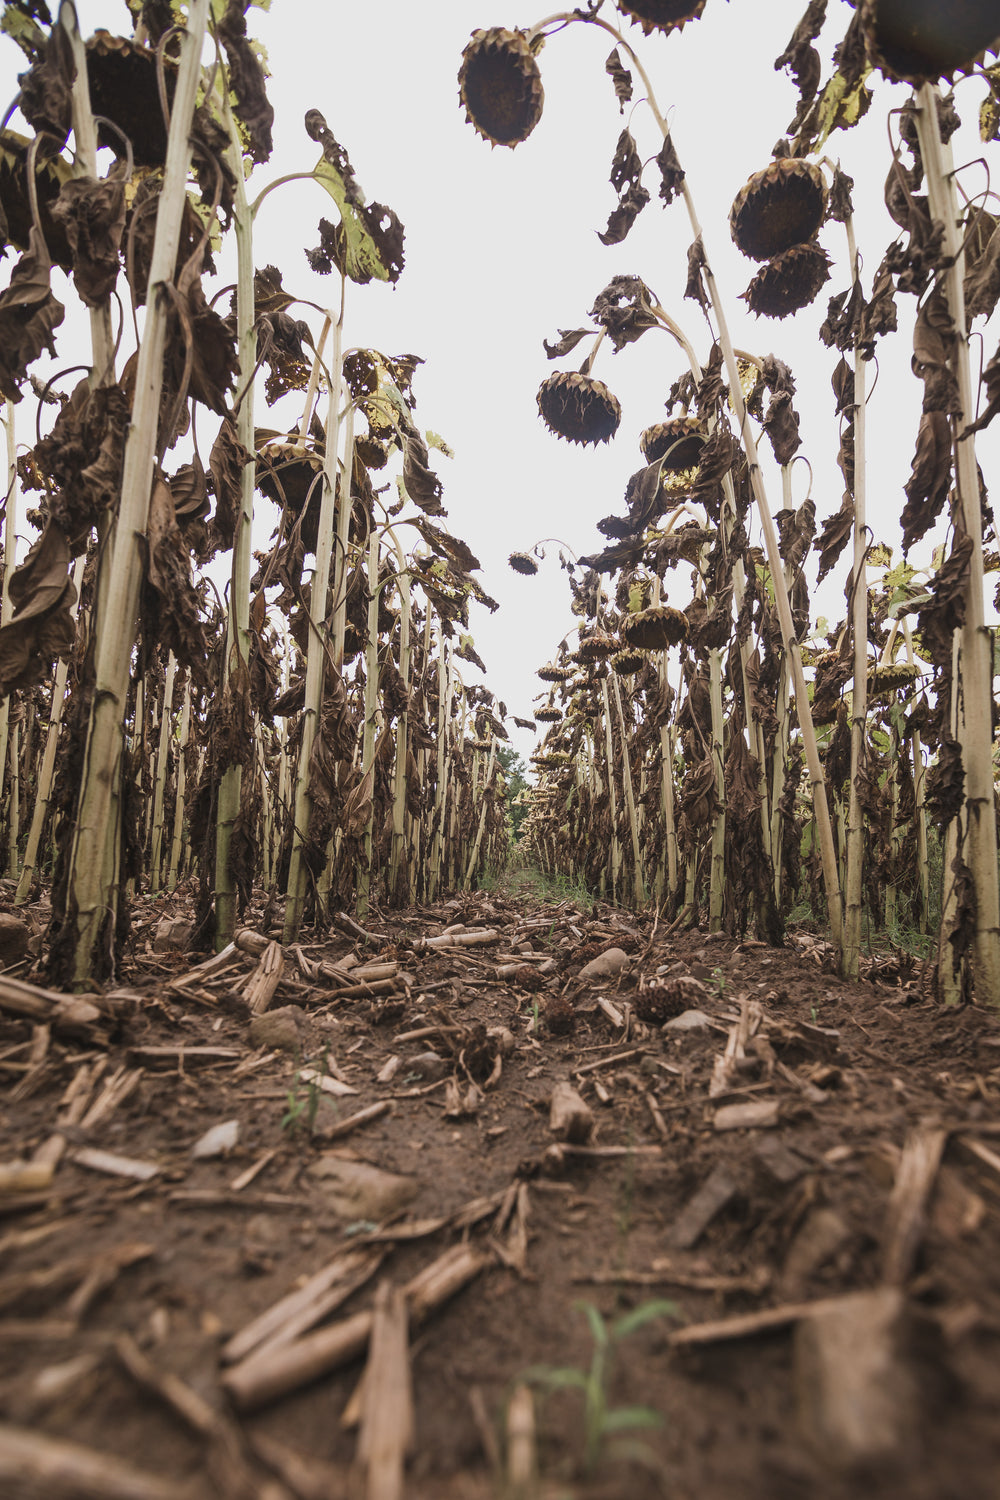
x: 701, y: 1220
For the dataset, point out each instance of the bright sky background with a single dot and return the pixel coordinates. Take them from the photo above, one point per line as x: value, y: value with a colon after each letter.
x: 502, y: 250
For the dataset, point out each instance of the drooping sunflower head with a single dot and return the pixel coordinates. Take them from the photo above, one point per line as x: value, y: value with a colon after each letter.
x: 501, y: 86
x: 777, y: 208
x: 661, y: 15
x: 788, y: 282
x: 923, y: 42
x: 597, y: 645
x: 523, y: 562
x: 676, y: 444
x: 655, y: 629
x: 548, y: 714
x: 554, y: 672
x: 579, y: 408
x: 628, y: 660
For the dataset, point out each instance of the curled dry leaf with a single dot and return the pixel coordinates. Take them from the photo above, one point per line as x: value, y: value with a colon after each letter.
x: 170, y: 607
x: 42, y: 627
x: 29, y: 314
x: 246, y: 78
x: 92, y: 213
x: 620, y: 77
x: 46, y: 98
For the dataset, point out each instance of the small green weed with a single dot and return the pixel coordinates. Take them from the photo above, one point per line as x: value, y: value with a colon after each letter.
x: 603, y: 1424
x: 303, y: 1099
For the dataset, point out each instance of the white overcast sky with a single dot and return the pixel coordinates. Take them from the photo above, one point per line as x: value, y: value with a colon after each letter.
x: 502, y: 250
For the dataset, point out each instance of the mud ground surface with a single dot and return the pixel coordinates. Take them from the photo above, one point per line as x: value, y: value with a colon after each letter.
x: 797, y: 1194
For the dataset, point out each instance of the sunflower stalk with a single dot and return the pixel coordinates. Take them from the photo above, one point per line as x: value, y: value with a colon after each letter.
x: 470, y: 868
x: 783, y: 606
x: 371, y: 716
x: 316, y: 655
x: 93, y: 893
x: 638, y: 882
x: 43, y: 791
x: 177, y: 838
x: 6, y: 603
x: 975, y: 655
x: 237, y: 657
x: 616, y: 848
x: 162, y: 757
x: 859, y: 628
x: 397, y: 853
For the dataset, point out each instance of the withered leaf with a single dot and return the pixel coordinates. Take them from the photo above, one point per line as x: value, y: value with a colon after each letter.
x: 695, y: 287
x: 879, y: 314
x: 621, y: 78
x: 945, y: 793
x: 991, y: 382
x: 781, y: 423
x: 42, y: 627
x: 47, y: 88
x: 226, y: 462
x: 202, y: 350
x: 839, y: 204
x: 624, y: 310
x: 796, y: 530
x: 246, y: 76
x: 711, y: 387
x: 621, y: 219
x: 842, y: 381
x: 626, y: 166
x: 982, y: 278
x: 422, y: 485
x: 930, y: 477
x: 29, y: 314
x: 715, y: 460
x: 210, y: 163
x: 170, y: 609
x: 566, y: 342
x: 671, y: 171
x: 843, y: 319
x: 93, y: 215
x: 938, y: 619
x: 800, y: 57
x: 836, y: 533
x: 933, y: 348
x: 368, y: 242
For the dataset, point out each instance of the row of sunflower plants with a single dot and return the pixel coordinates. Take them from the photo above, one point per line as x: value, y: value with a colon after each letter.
x: 180, y: 701
x: 754, y: 709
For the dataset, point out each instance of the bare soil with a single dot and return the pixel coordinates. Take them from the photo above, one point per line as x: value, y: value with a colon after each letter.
x: 869, y: 1164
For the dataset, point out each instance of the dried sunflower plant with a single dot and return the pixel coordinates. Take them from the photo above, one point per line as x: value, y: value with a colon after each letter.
x: 301, y: 732
x: 730, y: 756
